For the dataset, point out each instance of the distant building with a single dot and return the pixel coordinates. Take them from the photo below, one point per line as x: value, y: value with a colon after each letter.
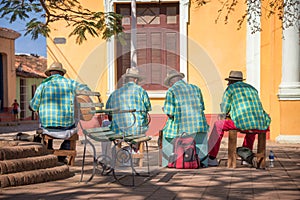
x: 30, y: 73
x: 19, y: 76
x: 7, y: 69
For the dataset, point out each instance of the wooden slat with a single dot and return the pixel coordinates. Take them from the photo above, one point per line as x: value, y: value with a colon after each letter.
x: 59, y: 152
x: 107, y: 111
x: 87, y: 93
x: 142, y: 139
x: 102, y: 134
x: 96, y: 130
x: 105, y: 137
x: 132, y: 137
x: 90, y: 105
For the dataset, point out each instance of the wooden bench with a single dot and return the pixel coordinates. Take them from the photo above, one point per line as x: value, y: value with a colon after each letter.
x: 71, y: 154
x: 261, y: 149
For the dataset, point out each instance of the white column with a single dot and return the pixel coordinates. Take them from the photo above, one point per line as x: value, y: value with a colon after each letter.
x: 109, y: 7
x: 289, y: 88
x: 133, y: 55
x: 253, y: 58
x: 184, y: 19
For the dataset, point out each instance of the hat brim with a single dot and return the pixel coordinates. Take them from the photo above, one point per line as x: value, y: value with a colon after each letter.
x: 47, y: 72
x: 234, y: 79
x: 168, y: 78
x: 133, y: 76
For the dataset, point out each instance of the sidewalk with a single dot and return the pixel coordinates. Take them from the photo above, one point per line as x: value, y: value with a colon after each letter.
x: 280, y: 182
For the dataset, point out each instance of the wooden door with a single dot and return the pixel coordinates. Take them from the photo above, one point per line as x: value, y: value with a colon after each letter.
x: 157, y: 42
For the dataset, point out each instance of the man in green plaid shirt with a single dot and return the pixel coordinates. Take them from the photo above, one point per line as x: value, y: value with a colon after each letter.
x: 130, y: 96
x: 242, y: 104
x: 184, y: 107
x: 54, y: 102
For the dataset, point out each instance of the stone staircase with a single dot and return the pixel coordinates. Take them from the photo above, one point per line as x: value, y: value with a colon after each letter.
x: 23, y: 163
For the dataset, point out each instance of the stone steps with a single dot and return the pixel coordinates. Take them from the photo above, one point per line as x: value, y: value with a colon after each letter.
x: 16, y: 150
x: 23, y: 163
x: 27, y: 164
x: 34, y: 176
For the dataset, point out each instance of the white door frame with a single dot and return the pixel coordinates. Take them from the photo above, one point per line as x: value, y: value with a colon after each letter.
x: 183, y: 13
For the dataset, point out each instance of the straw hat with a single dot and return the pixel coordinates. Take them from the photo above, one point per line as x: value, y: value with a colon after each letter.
x: 235, y: 76
x: 56, y: 66
x: 171, y: 74
x: 132, y: 72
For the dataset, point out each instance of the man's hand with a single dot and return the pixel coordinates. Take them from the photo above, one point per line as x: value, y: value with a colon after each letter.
x: 29, y: 107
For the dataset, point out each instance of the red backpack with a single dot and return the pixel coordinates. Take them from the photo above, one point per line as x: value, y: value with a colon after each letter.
x: 184, y: 154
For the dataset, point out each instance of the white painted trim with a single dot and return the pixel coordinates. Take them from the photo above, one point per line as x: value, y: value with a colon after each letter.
x: 289, y: 88
x: 292, y: 139
x: 109, y: 7
x: 253, y: 58
x: 184, y: 18
x: 157, y: 94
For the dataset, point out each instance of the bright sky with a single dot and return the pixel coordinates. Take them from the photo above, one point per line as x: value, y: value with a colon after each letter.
x: 24, y: 44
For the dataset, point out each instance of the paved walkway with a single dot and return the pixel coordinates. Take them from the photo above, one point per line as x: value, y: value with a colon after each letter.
x: 280, y: 182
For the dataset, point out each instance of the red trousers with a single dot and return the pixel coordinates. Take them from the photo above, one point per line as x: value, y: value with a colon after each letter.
x: 217, y: 133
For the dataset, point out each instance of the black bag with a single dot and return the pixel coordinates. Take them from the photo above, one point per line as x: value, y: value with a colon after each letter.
x: 246, y: 154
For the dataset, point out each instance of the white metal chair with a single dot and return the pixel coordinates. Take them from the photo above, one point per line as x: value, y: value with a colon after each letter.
x: 87, y: 108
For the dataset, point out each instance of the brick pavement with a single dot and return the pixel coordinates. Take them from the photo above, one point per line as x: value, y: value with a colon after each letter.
x: 280, y: 182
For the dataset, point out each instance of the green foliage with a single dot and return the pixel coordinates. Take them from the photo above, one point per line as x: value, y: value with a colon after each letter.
x: 288, y: 12
x: 84, y: 21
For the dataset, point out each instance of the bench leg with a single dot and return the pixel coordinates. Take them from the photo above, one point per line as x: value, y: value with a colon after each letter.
x: 71, y: 154
x: 72, y: 147
x: 141, y: 150
x: 232, y: 141
x: 261, y: 151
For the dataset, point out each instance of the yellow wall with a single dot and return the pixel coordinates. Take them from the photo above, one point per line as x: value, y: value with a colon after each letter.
x: 289, y: 117
x: 7, y: 49
x: 213, y: 50
x: 209, y: 57
x: 284, y: 114
x: 85, y: 63
x: 207, y: 52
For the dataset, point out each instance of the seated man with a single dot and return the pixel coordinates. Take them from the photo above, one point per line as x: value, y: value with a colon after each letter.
x: 244, y: 111
x: 130, y: 96
x: 184, y: 107
x: 54, y: 102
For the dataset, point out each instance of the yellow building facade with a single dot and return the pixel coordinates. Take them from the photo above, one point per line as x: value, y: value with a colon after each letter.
x: 203, y: 50
x: 7, y: 68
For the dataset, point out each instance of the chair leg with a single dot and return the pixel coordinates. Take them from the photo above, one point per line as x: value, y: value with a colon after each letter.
x: 261, y: 150
x: 72, y: 147
x: 232, y: 141
x: 141, y: 151
x: 83, y: 160
x: 160, y: 140
x: 148, y: 161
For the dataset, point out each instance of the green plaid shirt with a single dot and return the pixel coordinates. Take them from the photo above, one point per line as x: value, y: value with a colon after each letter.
x: 54, y: 100
x: 241, y: 100
x: 130, y: 96
x: 184, y: 102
